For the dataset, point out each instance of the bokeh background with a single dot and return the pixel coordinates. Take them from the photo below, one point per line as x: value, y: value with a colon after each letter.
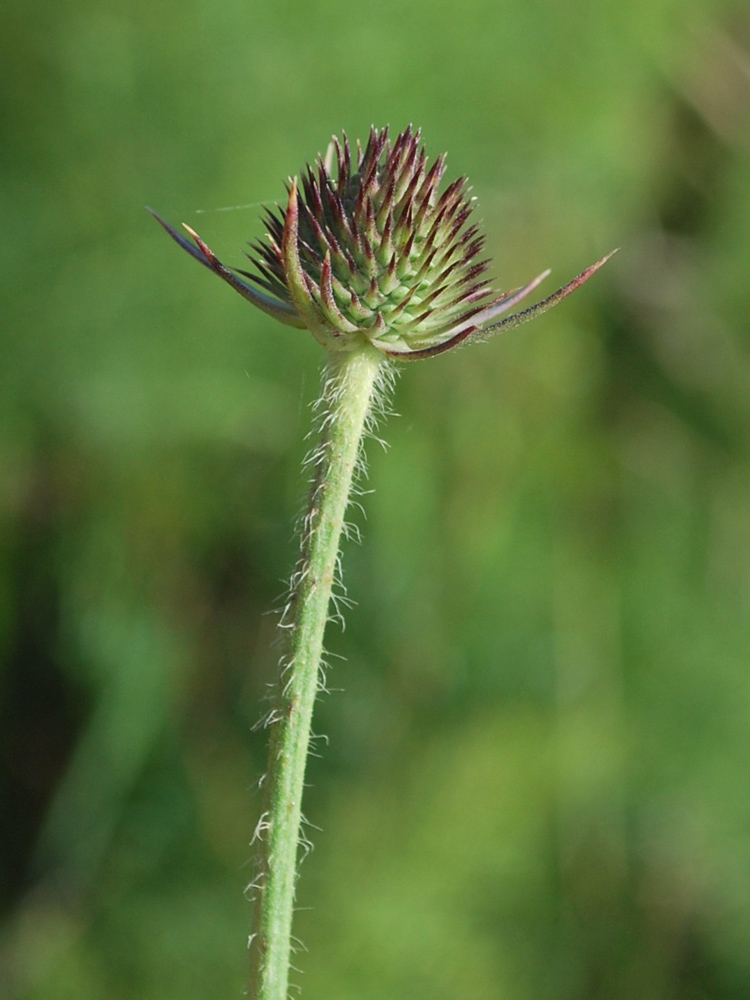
x: 536, y: 784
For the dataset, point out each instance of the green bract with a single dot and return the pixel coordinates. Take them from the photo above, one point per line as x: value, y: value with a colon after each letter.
x: 377, y: 255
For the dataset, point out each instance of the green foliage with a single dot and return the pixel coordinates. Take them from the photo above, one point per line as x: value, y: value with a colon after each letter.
x: 536, y: 780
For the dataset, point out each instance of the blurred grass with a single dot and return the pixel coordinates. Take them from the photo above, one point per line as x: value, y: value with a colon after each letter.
x: 536, y: 783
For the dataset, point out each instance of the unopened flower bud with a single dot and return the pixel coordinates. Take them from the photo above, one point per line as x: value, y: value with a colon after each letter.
x: 377, y: 255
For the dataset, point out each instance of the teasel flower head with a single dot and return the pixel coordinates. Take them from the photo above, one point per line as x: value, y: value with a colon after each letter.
x: 373, y: 253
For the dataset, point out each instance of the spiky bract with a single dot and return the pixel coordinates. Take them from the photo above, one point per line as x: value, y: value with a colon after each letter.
x: 376, y: 253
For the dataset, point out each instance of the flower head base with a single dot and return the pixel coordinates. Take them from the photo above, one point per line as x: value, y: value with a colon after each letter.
x: 377, y: 255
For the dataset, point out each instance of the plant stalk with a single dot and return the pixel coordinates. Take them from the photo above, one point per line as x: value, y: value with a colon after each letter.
x: 349, y: 383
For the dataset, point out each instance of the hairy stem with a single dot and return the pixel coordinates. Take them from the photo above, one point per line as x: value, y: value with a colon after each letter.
x: 349, y: 383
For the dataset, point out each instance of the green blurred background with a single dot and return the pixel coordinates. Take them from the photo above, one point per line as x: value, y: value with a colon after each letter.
x: 537, y: 782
